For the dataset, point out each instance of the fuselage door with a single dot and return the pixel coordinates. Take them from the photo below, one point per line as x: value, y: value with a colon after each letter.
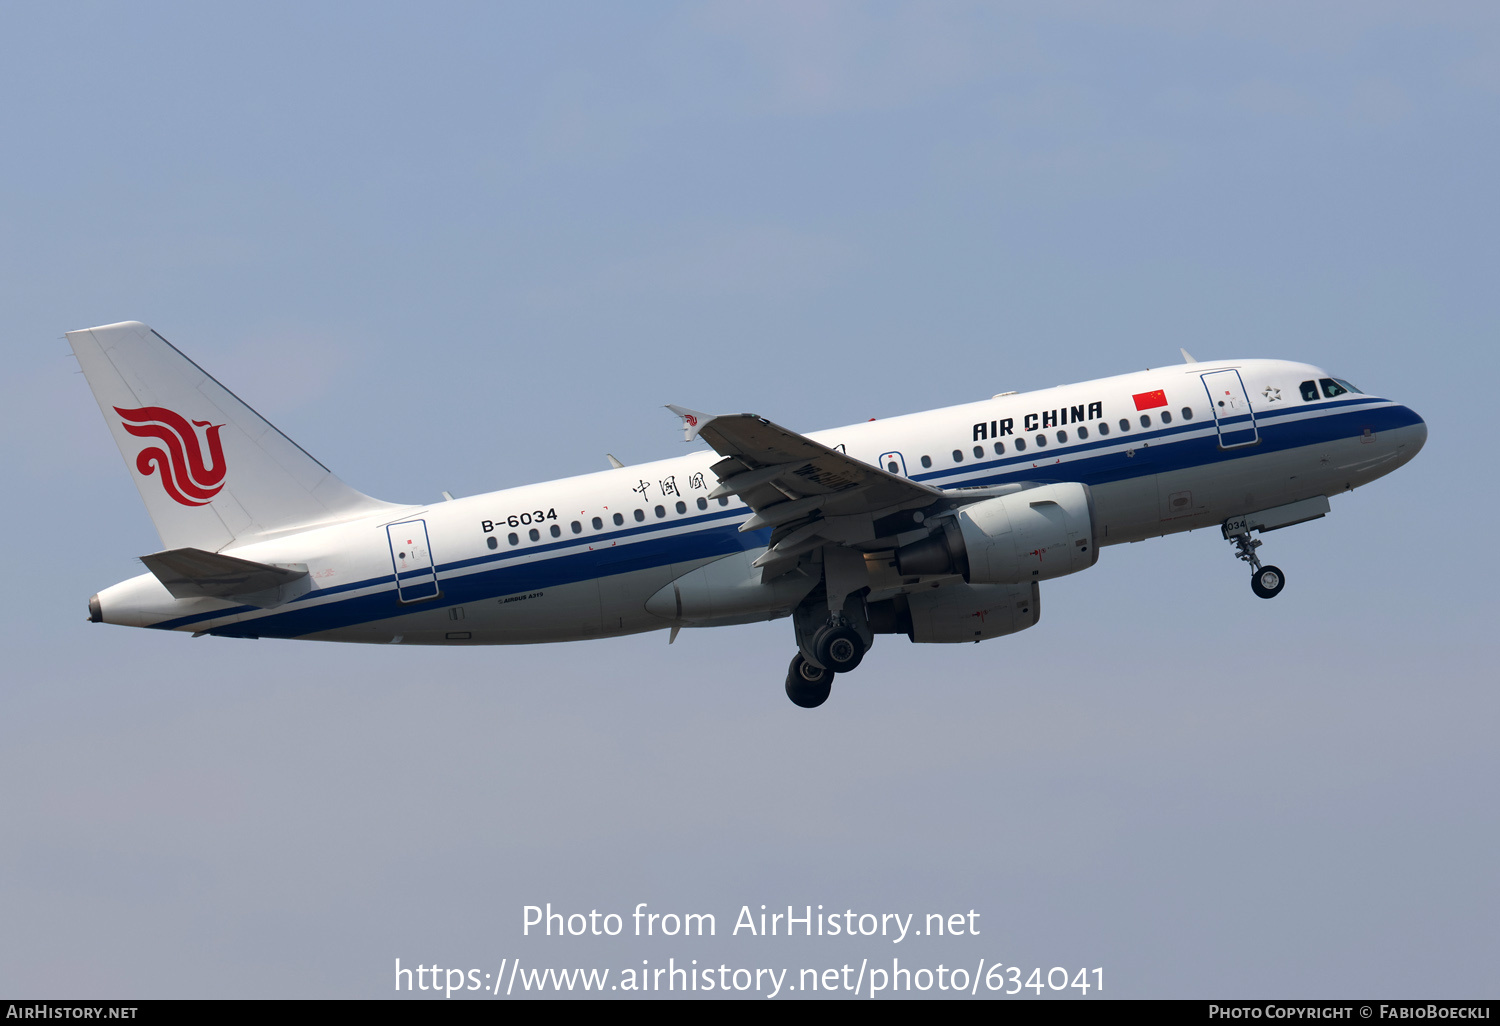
x: 1231, y: 406
x: 893, y: 463
x: 411, y: 558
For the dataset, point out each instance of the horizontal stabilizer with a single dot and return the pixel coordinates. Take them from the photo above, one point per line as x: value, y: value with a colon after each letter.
x: 194, y: 573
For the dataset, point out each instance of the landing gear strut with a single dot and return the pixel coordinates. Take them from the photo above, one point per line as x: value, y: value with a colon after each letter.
x: 1265, y: 581
x: 828, y: 643
x: 807, y: 685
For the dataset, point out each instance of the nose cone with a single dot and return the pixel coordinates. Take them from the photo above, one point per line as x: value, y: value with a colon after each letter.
x: 1410, y: 436
x: 1418, y: 433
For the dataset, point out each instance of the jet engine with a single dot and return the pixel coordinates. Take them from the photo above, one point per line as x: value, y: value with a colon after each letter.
x: 1031, y: 535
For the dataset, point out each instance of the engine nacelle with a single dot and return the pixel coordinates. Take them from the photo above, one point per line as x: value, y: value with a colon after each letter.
x: 959, y: 612
x: 1030, y: 535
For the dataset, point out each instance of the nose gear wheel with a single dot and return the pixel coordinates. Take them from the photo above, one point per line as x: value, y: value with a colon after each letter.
x: 1265, y: 581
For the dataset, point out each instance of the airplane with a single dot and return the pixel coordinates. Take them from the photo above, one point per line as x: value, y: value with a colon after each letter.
x: 938, y: 525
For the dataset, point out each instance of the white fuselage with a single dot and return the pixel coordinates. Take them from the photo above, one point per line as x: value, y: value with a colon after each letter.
x: 590, y: 556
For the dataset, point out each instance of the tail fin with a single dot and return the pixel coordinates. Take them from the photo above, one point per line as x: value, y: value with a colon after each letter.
x: 213, y: 473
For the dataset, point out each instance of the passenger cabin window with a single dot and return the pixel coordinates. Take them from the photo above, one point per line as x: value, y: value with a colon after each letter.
x: 534, y: 534
x: 892, y: 467
x: 1020, y: 445
x: 1103, y: 428
x: 1187, y: 413
x: 619, y: 519
x: 702, y: 502
x: 577, y: 527
x: 926, y: 461
x: 640, y: 515
x: 1145, y: 420
x: 513, y: 538
x: 556, y: 531
x: 1124, y: 424
x: 1166, y: 416
x: 979, y: 452
x: 1062, y: 436
x: 492, y: 542
x: 598, y: 524
x: 958, y: 456
x: 1309, y: 391
x: 1083, y: 432
x: 661, y: 511
x: 999, y: 448
x: 681, y: 506
x: 1041, y: 441
x: 723, y: 500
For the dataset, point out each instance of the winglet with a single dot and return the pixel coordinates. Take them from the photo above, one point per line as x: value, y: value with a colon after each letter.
x: 692, y: 421
x: 1187, y: 357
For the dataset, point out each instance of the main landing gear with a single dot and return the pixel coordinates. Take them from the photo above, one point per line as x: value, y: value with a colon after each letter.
x: 807, y: 685
x: 839, y: 647
x: 827, y: 645
x: 1265, y: 581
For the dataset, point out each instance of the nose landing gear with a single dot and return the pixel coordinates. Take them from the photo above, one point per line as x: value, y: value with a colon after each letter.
x: 1265, y: 581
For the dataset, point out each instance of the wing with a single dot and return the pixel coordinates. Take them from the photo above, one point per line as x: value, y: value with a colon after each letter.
x: 809, y: 494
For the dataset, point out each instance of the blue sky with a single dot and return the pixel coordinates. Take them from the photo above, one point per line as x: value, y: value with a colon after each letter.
x: 468, y: 246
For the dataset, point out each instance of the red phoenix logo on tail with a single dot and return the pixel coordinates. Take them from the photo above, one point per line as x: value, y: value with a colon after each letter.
x: 184, y: 474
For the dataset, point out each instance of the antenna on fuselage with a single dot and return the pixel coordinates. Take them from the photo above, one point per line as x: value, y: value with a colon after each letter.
x: 614, y: 462
x: 1187, y: 357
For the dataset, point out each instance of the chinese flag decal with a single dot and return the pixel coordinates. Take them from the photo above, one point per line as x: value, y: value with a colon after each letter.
x: 1150, y: 400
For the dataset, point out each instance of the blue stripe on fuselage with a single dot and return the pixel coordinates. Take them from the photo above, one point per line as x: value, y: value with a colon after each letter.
x: 1157, y: 451
x: 517, y: 577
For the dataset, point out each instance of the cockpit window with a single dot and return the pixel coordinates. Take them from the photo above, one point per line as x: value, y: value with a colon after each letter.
x: 1348, y: 387
x: 1309, y: 391
x: 1331, y: 388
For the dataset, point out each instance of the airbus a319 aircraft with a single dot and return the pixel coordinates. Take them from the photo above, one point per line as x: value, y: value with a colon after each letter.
x: 940, y: 525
